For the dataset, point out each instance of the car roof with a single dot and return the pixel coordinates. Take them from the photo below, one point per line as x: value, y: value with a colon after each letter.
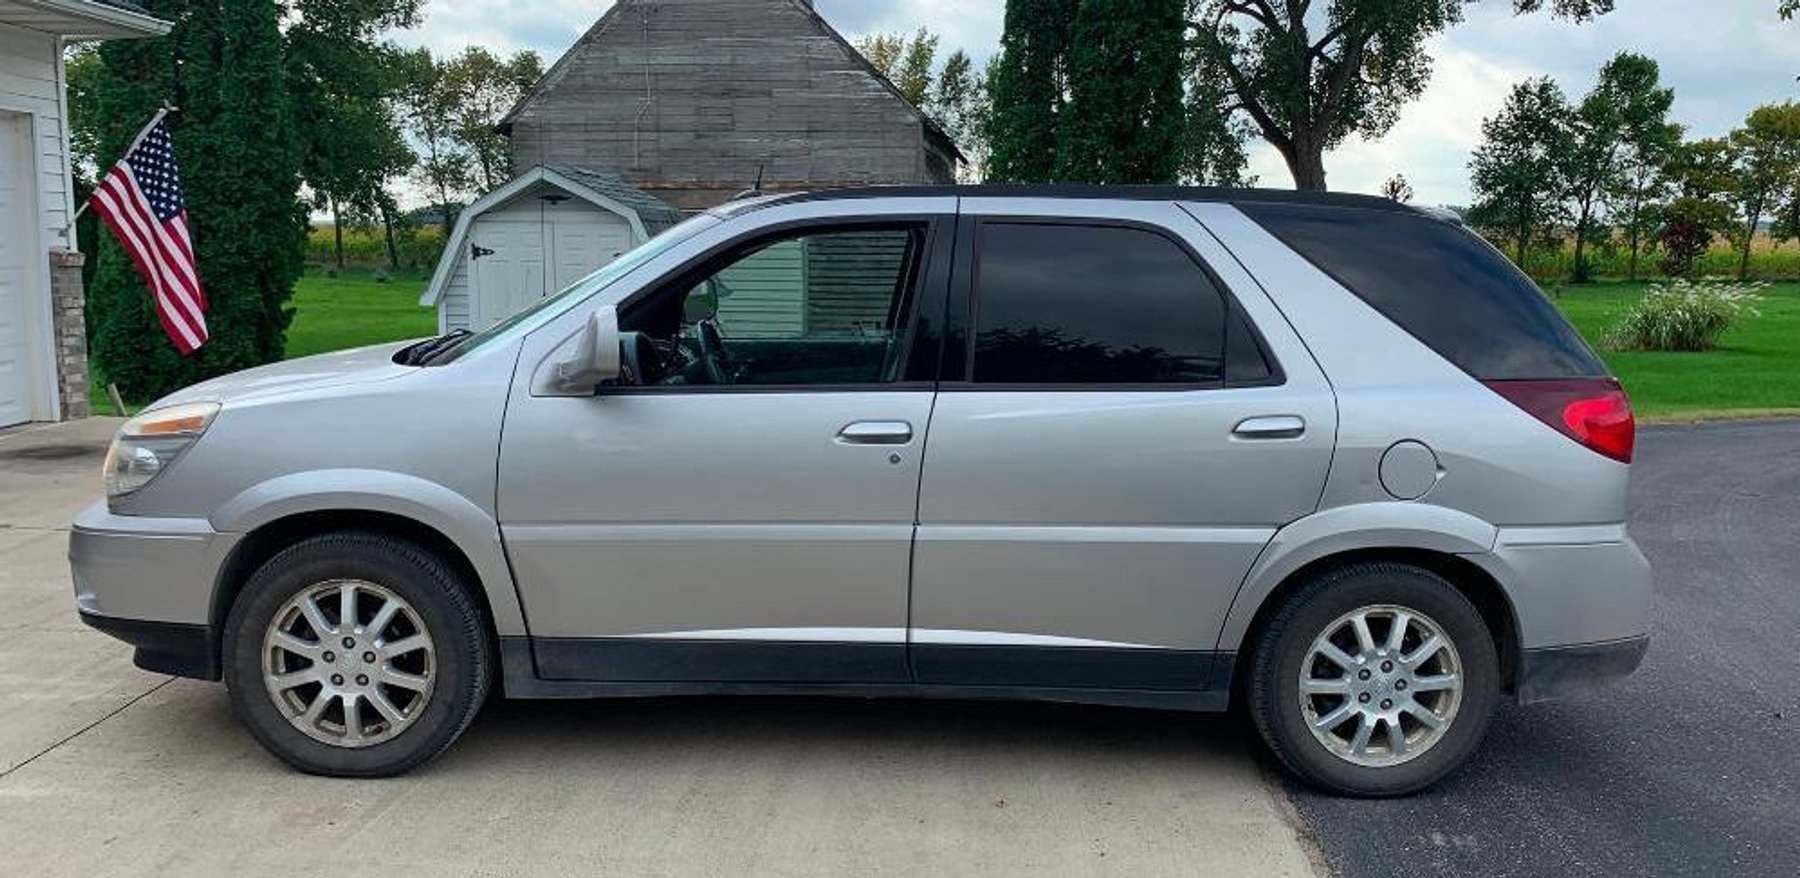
x: 1073, y: 191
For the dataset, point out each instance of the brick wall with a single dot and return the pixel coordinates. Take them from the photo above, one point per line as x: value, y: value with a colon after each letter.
x: 68, y: 302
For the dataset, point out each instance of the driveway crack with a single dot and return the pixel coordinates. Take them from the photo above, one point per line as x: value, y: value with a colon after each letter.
x: 84, y: 729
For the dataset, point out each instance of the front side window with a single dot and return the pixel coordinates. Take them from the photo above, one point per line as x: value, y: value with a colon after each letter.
x: 814, y: 308
x: 1072, y: 304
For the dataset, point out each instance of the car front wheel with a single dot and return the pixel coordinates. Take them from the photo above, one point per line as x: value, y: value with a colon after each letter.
x: 1374, y: 680
x: 356, y: 655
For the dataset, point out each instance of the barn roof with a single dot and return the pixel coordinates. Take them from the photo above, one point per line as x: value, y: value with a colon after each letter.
x: 551, y: 77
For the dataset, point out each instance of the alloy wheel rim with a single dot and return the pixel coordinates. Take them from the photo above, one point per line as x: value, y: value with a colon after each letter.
x: 1380, y: 685
x: 349, y: 663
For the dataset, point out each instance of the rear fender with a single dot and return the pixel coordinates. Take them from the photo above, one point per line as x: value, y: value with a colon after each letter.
x: 1342, y: 529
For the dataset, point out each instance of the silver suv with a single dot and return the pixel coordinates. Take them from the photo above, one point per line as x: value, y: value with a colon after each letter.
x: 1325, y: 457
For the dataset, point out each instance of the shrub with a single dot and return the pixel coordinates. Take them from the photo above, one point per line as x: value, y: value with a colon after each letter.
x: 1684, y: 315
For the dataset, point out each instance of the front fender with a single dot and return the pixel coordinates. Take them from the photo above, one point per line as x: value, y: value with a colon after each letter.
x: 1347, y: 529
x: 455, y: 516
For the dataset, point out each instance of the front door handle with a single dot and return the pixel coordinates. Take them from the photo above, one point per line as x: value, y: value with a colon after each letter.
x: 1270, y: 427
x: 876, y: 433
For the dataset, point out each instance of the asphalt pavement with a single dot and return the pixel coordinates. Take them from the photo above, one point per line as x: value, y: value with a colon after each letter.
x: 1689, y: 767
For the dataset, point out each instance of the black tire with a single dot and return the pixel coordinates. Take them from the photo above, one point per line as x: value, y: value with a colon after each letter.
x: 442, y: 602
x: 1274, y: 676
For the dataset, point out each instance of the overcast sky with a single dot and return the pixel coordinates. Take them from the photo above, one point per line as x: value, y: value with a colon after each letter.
x: 1722, y: 57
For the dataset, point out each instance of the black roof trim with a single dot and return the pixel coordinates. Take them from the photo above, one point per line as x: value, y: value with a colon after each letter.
x: 1096, y: 192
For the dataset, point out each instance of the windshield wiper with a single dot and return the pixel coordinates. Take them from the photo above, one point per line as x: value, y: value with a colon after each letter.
x: 423, y: 353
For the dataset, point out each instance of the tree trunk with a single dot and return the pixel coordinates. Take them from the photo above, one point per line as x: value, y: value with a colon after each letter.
x: 1576, y: 272
x: 337, y: 231
x: 1635, y: 231
x: 1524, y: 237
x: 1744, y: 250
x: 1306, y: 161
x: 387, y: 224
x: 1632, y: 235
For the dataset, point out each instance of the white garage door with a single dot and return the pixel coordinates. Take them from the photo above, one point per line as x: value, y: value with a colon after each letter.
x: 16, y: 271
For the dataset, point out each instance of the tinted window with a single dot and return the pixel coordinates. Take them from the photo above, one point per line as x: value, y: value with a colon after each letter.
x: 1245, y: 362
x: 1441, y: 283
x: 1071, y: 304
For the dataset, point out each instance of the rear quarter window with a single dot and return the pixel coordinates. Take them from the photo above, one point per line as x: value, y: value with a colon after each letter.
x: 1440, y: 282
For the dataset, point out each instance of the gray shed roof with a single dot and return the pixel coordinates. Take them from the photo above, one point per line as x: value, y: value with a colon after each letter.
x: 658, y: 215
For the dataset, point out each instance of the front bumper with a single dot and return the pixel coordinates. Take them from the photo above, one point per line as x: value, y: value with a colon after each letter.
x: 173, y: 648
x: 1561, y: 671
x: 150, y: 583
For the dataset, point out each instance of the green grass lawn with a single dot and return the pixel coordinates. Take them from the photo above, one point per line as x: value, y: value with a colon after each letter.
x: 1755, y: 370
x: 353, y: 310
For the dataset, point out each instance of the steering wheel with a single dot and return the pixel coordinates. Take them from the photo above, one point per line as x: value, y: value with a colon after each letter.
x: 721, y: 366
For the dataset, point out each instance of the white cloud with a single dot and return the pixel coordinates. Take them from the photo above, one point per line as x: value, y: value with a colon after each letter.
x: 1431, y: 142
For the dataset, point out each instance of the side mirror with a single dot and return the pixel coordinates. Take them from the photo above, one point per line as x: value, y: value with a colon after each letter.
x: 702, y: 303
x: 596, y: 359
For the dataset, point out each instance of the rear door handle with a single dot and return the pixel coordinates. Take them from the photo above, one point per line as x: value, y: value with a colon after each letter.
x: 876, y: 433
x: 1271, y: 427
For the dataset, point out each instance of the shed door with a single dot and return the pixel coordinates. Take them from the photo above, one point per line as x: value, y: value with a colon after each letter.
x: 532, y: 249
x: 581, y: 240
x: 16, y: 270
x: 507, y: 271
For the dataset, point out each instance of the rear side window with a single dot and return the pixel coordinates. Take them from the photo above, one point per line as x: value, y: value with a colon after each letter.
x: 1072, y: 304
x: 1441, y: 283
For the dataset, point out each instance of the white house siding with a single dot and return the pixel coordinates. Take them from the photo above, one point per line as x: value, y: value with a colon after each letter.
x: 31, y: 82
x: 820, y: 286
x: 764, y: 294
x: 39, y: 201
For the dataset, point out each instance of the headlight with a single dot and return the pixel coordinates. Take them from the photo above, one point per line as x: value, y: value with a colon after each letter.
x: 148, y: 443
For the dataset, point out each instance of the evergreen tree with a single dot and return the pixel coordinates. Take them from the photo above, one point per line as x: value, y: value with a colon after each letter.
x: 1124, y: 121
x: 1029, y: 90
x: 240, y: 159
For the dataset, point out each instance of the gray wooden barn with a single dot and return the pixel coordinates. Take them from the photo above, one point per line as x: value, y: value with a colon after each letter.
x: 690, y: 100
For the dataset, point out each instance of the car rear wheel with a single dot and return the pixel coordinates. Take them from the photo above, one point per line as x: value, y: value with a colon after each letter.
x: 1374, y: 680
x: 356, y: 655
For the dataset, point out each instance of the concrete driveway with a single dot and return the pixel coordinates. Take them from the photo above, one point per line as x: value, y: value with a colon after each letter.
x: 108, y: 770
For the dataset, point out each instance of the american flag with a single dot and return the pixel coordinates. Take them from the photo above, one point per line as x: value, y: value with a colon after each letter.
x: 140, y: 200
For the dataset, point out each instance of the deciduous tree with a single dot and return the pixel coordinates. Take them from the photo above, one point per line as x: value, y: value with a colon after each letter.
x: 1519, y: 171
x: 481, y: 88
x: 1309, y: 78
x: 1768, y: 170
x: 1648, y: 142
x: 1397, y: 189
x: 342, y: 74
x: 426, y: 108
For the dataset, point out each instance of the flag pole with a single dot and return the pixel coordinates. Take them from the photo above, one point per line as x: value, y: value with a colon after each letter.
x: 142, y: 133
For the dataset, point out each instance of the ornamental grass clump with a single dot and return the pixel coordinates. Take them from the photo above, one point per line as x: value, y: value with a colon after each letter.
x: 1685, y: 315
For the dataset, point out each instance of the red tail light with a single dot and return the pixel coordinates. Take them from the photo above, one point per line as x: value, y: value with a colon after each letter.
x: 1592, y: 411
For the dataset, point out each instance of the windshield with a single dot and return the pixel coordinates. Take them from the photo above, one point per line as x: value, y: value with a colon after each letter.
x: 524, y: 322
